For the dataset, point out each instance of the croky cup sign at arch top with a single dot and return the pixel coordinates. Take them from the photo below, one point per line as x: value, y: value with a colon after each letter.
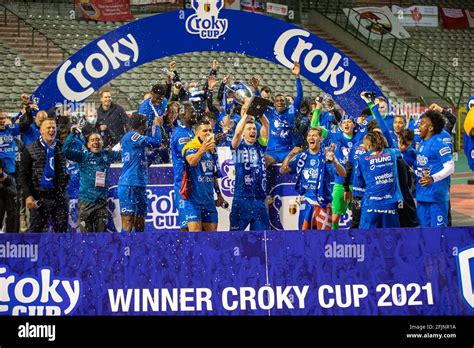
x: 206, y: 28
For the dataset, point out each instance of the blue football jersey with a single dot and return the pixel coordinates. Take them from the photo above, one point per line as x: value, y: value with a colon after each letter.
x: 8, y: 147
x: 344, y: 145
x: 30, y: 135
x: 201, y: 178
x: 357, y: 150
x: 447, y: 139
x: 430, y: 157
x: 315, y: 176
x: 281, y: 125
x: 377, y: 172
x: 250, y: 171
x: 151, y: 111
x: 414, y: 126
x: 134, y: 157
x: 181, y: 135
x: 410, y: 156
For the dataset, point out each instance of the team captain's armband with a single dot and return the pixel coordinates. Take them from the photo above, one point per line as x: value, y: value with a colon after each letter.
x: 262, y: 141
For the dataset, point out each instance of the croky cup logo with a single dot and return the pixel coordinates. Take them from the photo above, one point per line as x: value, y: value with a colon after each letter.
x: 228, y: 178
x: 205, y: 21
x: 44, y: 294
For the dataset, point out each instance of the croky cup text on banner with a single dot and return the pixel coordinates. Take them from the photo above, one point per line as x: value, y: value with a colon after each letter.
x: 374, y: 272
x: 206, y: 29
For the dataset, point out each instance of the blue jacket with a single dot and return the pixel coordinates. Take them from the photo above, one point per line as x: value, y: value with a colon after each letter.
x: 91, y: 165
x: 282, y: 124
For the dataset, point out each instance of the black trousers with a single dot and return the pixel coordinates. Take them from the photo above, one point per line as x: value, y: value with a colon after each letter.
x: 9, y: 207
x: 356, y: 211
x: 55, y: 209
x: 92, y: 216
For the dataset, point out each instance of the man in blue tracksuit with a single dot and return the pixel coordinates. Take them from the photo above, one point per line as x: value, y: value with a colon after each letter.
x: 282, y: 121
x: 132, y: 183
x: 182, y: 134
x: 94, y: 164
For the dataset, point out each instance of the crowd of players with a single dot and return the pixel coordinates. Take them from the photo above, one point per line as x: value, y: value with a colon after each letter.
x: 390, y: 170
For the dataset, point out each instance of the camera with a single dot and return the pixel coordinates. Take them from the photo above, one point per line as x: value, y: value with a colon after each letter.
x: 370, y: 95
x: 319, y: 99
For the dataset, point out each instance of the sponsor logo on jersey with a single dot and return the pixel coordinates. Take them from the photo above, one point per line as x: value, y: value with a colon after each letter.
x: 444, y: 151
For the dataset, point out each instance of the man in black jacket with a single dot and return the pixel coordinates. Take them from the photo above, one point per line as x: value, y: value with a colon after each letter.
x: 112, y: 118
x: 44, y: 180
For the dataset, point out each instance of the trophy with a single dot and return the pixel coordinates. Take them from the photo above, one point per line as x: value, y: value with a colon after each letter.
x: 241, y: 92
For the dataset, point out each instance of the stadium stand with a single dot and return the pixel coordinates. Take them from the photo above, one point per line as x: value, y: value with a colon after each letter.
x: 53, y: 27
x: 442, y: 67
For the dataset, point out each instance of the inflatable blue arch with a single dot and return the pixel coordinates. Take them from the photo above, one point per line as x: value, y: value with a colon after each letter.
x: 184, y: 31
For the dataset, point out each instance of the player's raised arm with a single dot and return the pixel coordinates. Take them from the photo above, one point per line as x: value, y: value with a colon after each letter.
x: 264, y: 131
x: 239, y: 130
x: 299, y: 86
